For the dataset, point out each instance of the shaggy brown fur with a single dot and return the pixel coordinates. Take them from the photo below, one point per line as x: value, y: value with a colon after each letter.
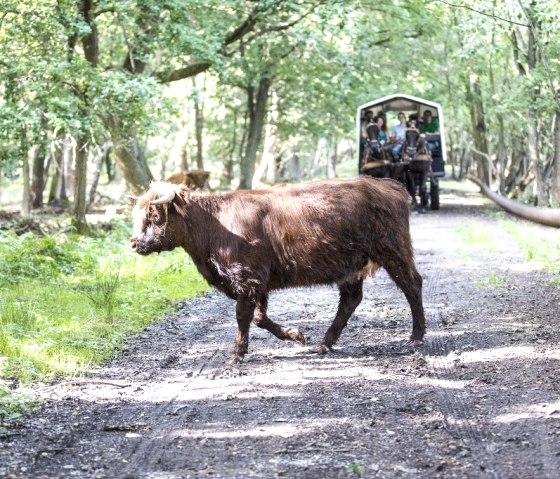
x: 247, y: 243
x: 194, y: 179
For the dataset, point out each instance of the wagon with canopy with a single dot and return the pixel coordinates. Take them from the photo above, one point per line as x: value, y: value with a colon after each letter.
x: 414, y: 108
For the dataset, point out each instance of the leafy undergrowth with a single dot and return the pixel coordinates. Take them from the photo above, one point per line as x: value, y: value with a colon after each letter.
x: 540, y: 244
x: 68, y: 302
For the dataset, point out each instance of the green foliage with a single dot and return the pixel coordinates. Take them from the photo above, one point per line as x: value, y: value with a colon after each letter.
x: 14, y: 406
x: 355, y: 469
x: 102, y: 294
x: 59, y: 316
x: 28, y: 256
x: 540, y: 244
x: 478, y: 237
x: 324, y: 59
x: 491, y: 280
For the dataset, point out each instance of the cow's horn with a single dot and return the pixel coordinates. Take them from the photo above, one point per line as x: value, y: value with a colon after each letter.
x: 167, y: 193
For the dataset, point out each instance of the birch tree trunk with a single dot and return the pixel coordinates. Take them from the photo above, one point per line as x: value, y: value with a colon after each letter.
x: 256, y: 105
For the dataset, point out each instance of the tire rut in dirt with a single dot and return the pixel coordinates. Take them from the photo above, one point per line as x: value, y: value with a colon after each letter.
x: 146, y: 452
x: 459, y: 419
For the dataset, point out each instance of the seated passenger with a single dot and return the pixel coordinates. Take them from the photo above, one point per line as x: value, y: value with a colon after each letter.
x: 429, y: 124
x: 383, y: 136
x: 366, y: 121
x: 397, y: 135
x: 368, y: 116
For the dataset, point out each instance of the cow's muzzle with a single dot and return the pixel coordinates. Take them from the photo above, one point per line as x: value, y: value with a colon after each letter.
x: 138, y: 246
x: 144, y: 247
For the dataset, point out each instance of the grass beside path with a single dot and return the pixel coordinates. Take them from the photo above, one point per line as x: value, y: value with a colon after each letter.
x: 68, y: 302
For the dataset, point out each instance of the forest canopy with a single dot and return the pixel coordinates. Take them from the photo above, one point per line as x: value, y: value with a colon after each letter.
x: 257, y: 91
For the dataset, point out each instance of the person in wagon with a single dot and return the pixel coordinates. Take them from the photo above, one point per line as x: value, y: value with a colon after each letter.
x: 366, y: 121
x: 397, y: 135
x: 382, y: 124
x: 429, y: 124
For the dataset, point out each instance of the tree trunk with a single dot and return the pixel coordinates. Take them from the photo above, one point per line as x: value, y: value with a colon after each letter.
x: 184, y: 158
x: 80, y: 203
x: 332, y: 158
x: 476, y: 107
x: 110, y: 166
x: 38, y: 179
x: 57, y: 192
x: 199, y: 123
x: 555, y: 183
x: 243, y: 142
x: 532, y: 125
x: 228, y: 165
x: 26, y: 199
x: 129, y: 156
x: 69, y: 165
x: 178, y: 153
x: 256, y: 105
x: 534, y: 158
x: 130, y: 160
x: 267, y: 165
x: 98, y: 163
x: 501, y: 150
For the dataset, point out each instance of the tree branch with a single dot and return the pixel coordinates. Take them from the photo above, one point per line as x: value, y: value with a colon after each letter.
x: 237, y: 34
x: 285, y: 26
x: 454, y: 5
x: 196, y: 68
x: 182, y: 73
x: 515, y: 46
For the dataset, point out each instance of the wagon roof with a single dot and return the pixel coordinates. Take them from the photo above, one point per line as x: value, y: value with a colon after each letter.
x: 401, y: 102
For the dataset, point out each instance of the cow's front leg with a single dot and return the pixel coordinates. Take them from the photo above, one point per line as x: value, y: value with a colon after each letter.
x: 281, y: 332
x: 350, y: 298
x: 245, y: 310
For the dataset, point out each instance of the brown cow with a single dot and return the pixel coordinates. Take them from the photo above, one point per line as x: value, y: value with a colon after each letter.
x: 247, y: 243
x: 194, y: 179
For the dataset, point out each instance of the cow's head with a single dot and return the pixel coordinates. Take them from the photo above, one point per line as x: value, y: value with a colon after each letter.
x: 156, y: 220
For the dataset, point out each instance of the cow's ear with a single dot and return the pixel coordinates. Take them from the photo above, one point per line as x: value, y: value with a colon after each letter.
x: 179, y: 206
x: 179, y: 203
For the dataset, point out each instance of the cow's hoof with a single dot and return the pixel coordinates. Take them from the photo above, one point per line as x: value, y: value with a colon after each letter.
x: 414, y: 343
x: 296, y: 336
x: 322, y: 349
x: 235, y: 359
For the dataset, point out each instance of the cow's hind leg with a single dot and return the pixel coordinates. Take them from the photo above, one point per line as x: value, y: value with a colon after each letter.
x: 350, y: 298
x: 244, y: 310
x: 403, y: 272
x: 281, y: 332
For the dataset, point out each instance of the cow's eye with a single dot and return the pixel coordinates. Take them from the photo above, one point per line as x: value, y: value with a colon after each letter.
x: 156, y: 218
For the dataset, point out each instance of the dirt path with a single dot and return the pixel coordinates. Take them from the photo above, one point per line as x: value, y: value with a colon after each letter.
x: 480, y: 399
